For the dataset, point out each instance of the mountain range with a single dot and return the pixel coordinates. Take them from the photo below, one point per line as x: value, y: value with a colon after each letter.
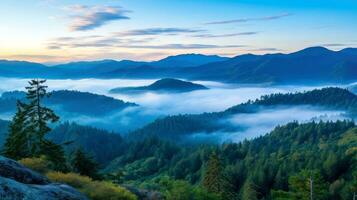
x: 310, y: 65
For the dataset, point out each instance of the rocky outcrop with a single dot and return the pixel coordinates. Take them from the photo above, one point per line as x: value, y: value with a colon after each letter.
x: 14, y: 170
x: 20, y: 183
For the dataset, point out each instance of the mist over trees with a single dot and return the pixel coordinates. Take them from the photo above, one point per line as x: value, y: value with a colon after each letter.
x: 291, y: 162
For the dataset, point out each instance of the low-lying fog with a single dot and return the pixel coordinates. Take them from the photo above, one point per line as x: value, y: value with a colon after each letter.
x: 152, y: 105
x: 256, y: 124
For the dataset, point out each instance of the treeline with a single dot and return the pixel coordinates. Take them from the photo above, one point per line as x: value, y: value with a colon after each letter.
x: 177, y: 127
x: 73, y: 102
x: 74, y: 136
x: 330, y: 98
x: 102, y: 145
x: 275, y: 166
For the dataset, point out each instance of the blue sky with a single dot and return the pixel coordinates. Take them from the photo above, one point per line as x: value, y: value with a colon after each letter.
x: 67, y: 30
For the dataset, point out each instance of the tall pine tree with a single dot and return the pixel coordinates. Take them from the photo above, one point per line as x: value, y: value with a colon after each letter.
x: 29, y: 127
x: 300, y: 185
x: 38, y: 115
x: 16, y: 145
x: 215, y: 181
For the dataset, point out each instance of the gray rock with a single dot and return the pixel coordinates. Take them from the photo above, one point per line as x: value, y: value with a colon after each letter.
x: 20, y: 183
x: 14, y: 170
x: 13, y: 190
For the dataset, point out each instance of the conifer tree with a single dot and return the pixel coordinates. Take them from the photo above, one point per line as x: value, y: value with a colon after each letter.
x: 29, y: 126
x: 84, y: 164
x: 214, y: 180
x: 16, y: 146
x: 301, y: 186
x: 55, y: 154
x: 249, y: 192
x: 38, y: 115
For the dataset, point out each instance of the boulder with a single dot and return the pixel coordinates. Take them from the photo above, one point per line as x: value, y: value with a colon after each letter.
x: 20, y: 183
x: 13, y: 190
x: 14, y: 170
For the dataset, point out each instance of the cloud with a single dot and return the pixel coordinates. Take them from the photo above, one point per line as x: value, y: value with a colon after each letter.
x: 182, y: 46
x: 88, y: 18
x: 267, y: 49
x: 334, y: 45
x: 260, y: 123
x: 243, y: 20
x: 32, y: 56
x: 92, y: 41
x: 158, y: 31
x: 225, y: 35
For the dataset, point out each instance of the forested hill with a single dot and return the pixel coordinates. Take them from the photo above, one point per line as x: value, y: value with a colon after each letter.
x: 163, y: 85
x: 102, y: 145
x: 176, y: 127
x: 73, y: 102
x: 329, y: 98
x: 257, y: 169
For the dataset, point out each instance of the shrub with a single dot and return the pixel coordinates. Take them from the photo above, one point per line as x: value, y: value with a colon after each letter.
x: 99, y: 190
x: 39, y: 164
x: 95, y: 190
x: 72, y: 179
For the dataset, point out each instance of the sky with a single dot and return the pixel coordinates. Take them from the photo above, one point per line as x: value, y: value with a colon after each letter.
x: 58, y: 31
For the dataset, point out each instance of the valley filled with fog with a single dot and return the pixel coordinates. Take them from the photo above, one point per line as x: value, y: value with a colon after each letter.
x: 153, y: 105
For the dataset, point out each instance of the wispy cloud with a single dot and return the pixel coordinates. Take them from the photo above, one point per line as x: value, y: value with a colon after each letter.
x: 334, y: 45
x: 182, y: 46
x: 91, y: 17
x: 267, y: 49
x: 243, y: 20
x: 158, y: 31
x: 224, y: 35
x: 92, y: 41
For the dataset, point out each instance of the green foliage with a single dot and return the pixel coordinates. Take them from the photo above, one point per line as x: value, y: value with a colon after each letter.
x: 103, y: 145
x: 249, y: 192
x: 16, y: 145
x: 300, y: 185
x: 37, y: 115
x: 84, y: 165
x: 95, y: 190
x: 55, y: 154
x: 182, y: 190
x: 40, y: 164
x: 254, y: 169
x: 214, y: 180
x: 30, y: 125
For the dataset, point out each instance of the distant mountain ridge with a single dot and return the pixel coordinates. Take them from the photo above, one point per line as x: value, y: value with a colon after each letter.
x: 310, y: 65
x: 188, y: 60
